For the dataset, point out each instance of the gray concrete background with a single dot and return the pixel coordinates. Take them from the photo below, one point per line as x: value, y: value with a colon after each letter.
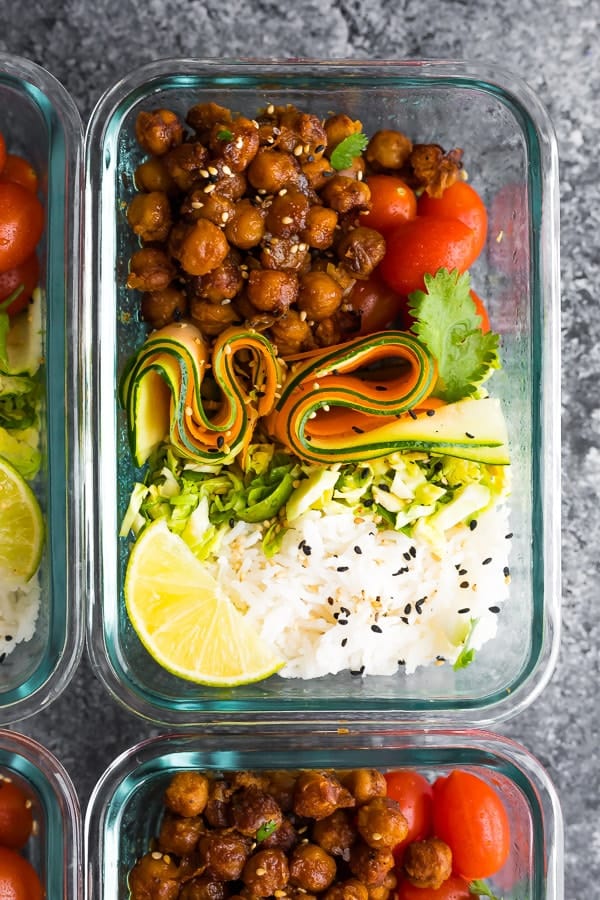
x: 556, y: 48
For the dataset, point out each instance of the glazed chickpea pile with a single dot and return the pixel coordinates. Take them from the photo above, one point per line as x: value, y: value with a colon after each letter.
x: 287, y: 835
x: 247, y: 221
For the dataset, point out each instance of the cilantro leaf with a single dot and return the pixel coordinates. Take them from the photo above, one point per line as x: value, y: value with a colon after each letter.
x: 266, y: 830
x: 346, y: 150
x: 467, y: 654
x: 224, y: 134
x: 447, y: 322
x: 481, y: 889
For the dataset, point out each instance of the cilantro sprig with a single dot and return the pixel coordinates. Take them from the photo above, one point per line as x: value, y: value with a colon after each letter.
x: 480, y: 889
x: 347, y: 150
x: 446, y: 321
x: 266, y: 830
x: 224, y: 134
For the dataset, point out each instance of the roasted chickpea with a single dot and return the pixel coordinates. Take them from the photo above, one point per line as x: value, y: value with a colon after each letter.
x: 149, y: 216
x: 335, y: 834
x: 223, y: 283
x: 365, y: 784
x: 236, y: 151
x: 381, y: 823
x: 388, y: 149
x: 288, y: 213
x: 245, y: 228
x: 281, y: 787
x: 352, y: 889
x: 164, y: 306
x: 272, y: 291
x: 320, y: 227
x: 369, y: 864
x: 150, y: 269
x: 427, y: 864
x: 187, y: 794
x: 203, y: 887
x: 383, y: 891
x: 319, y: 296
x: 284, y: 253
x: 434, y: 170
x: 328, y: 332
x: 203, y: 116
x: 360, y: 250
x: 179, y: 835
x: 152, y: 175
x: 200, y: 247
x: 312, y: 868
x: 319, y: 794
x: 283, y: 838
x: 317, y: 171
x: 158, y: 131
x: 344, y: 194
x: 266, y: 872
x: 291, y: 333
x: 154, y: 877
x: 251, y: 808
x: 214, y: 207
x: 184, y: 164
x: 271, y: 170
x: 212, y: 319
x: 338, y: 128
x: 224, y: 854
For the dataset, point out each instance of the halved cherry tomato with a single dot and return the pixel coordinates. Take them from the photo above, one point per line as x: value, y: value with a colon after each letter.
x: 459, y: 201
x: 375, y: 302
x: 18, y: 171
x: 16, y: 819
x: 415, y: 795
x: 21, y: 224
x: 423, y: 246
x: 392, y: 202
x: 481, y: 312
x: 453, y: 889
x: 471, y: 818
x: 27, y: 275
x: 2, y: 151
x: 18, y: 878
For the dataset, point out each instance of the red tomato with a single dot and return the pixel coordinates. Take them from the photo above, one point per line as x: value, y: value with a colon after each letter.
x: 19, y: 171
x: 16, y: 820
x: 459, y: 201
x: 392, y: 202
x: 481, y: 312
x: 376, y: 303
x: 453, y: 889
x: 423, y: 246
x: 470, y: 817
x: 18, y: 879
x: 21, y: 224
x: 415, y: 795
x: 27, y: 274
x: 2, y: 151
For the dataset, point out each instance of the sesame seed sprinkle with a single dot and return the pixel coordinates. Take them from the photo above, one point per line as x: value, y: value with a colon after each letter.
x: 494, y: 609
x: 486, y: 561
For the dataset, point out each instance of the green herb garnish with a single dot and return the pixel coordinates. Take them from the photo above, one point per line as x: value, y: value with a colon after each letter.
x: 481, y: 889
x: 266, y: 830
x: 347, y: 150
x: 447, y: 322
x: 224, y: 134
x: 466, y: 655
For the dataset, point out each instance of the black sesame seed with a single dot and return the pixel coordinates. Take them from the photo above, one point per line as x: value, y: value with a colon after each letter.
x: 384, y: 487
x: 357, y: 429
x: 430, y: 412
x: 344, y: 642
x: 494, y: 609
x: 330, y: 601
x: 508, y: 536
x: 319, y: 148
x: 506, y: 571
x: 412, y: 551
x: 400, y: 571
x: 336, y: 616
x: 407, y: 556
x: 401, y: 662
x: 342, y: 621
x: 343, y: 568
x: 380, y: 387
x: 441, y: 658
x: 464, y: 584
x: 376, y: 629
x: 462, y: 571
x: 404, y: 619
x: 469, y: 435
x: 457, y: 566
x: 412, y: 414
x: 301, y: 544
x: 344, y: 610
x: 473, y: 524
x: 310, y: 158
x: 407, y: 609
x: 464, y: 610
x: 220, y: 441
x: 231, y: 522
x: 487, y: 561
x: 357, y: 550
x: 368, y: 503
x: 8, y: 637
x: 306, y: 550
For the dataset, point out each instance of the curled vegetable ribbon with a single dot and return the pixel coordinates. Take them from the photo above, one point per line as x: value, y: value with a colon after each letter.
x: 162, y: 391
x: 327, y: 414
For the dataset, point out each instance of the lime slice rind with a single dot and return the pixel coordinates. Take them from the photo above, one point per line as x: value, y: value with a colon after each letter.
x: 21, y: 526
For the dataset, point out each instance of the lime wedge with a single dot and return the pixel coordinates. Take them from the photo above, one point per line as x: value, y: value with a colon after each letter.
x: 185, y: 621
x: 21, y: 525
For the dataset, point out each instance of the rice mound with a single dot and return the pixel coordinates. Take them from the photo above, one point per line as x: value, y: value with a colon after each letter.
x: 19, y: 609
x: 340, y: 594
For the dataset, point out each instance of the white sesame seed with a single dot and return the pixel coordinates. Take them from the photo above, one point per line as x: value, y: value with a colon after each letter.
x: 195, y: 204
x: 287, y: 220
x: 303, y: 315
x: 156, y: 855
x: 227, y: 171
x: 204, y: 173
x: 209, y: 188
x: 359, y: 176
x: 225, y: 301
x: 224, y: 216
x: 298, y: 150
x: 283, y: 192
x: 270, y: 109
x: 212, y: 170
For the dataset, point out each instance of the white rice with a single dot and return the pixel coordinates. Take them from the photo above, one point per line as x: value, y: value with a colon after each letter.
x: 342, y: 595
x: 19, y: 608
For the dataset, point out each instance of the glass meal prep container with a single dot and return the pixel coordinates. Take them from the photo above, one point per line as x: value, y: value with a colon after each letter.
x: 511, y: 154
x: 40, y: 121
x: 54, y: 849
x: 125, y: 808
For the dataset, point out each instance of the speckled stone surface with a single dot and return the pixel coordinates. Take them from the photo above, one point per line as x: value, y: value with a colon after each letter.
x: 556, y: 48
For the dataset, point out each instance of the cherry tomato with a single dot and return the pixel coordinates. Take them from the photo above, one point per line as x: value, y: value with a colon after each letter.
x: 16, y: 819
x: 481, y: 312
x: 453, y: 889
x: 470, y: 817
x: 2, y: 151
x: 415, y: 795
x: 27, y: 274
x: 18, y: 171
x: 392, y: 202
x: 376, y: 303
x: 18, y: 879
x: 21, y: 224
x: 423, y: 246
x: 459, y: 201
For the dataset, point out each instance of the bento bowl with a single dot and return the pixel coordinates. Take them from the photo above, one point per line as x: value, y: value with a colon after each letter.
x: 55, y: 847
x: 511, y: 158
x: 40, y: 121
x: 125, y: 808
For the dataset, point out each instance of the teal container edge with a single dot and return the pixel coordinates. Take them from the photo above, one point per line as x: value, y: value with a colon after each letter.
x: 41, y: 120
